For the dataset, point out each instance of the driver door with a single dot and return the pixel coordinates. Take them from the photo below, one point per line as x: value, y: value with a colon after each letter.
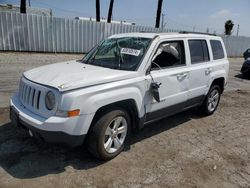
x: 171, y: 71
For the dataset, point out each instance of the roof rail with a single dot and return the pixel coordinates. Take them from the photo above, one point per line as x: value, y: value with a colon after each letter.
x: 191, y: 32
x: 142, y: 31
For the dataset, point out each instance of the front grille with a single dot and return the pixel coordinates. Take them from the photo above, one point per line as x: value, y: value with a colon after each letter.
x: 29, y: 96
x: 32, y: 97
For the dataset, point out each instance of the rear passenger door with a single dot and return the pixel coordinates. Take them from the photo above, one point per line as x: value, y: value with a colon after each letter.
x: 199, y: 70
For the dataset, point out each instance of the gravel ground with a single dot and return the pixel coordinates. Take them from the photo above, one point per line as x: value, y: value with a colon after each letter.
x: 186, y: 150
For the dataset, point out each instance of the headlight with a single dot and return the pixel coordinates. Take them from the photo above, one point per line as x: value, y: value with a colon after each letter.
x: 50, y: 101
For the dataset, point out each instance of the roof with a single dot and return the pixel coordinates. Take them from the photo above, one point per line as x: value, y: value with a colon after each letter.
x: 164, y: 35
x: 139, y: 34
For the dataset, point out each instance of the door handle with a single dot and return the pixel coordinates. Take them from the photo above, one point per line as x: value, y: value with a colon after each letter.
x: 181, y: 76
x: 208, y: 71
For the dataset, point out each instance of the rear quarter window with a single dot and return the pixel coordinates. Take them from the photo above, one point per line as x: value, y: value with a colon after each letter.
x: 217, y: 49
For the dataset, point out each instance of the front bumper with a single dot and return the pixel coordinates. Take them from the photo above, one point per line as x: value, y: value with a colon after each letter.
x: 53, y: 137
x: 71, y: 131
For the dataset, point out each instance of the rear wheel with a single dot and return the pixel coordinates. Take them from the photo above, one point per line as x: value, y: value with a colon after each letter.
x: 108, y: 135
x: 212, y: 100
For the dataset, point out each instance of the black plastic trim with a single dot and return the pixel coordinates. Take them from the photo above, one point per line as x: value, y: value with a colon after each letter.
x: 192, y: 32
x: 171, y: 110
x: 54, y: 136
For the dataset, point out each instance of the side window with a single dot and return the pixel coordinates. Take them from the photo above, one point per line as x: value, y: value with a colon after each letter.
x: 198, y: 51
x: 217, y: 49
x: 169, y: 54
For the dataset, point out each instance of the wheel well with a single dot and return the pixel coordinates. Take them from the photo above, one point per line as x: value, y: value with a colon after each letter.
x: 128, y: 105
x: 220, y: 82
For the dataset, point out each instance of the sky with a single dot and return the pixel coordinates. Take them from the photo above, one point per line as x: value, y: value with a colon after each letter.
x: 192, y: 15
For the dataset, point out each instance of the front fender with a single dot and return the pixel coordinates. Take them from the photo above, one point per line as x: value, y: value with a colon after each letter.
x: 89, y: 100
x: 102, y: 99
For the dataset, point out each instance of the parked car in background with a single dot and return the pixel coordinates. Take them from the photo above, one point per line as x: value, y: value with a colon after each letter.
x: 245, y: 69
x: 125, y: 82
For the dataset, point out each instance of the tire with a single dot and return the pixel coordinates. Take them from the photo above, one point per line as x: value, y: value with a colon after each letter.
x: 108, y: 135
x: 211, y: 102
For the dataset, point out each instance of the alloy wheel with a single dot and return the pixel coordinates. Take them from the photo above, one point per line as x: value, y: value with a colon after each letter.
x: 213, y: 100
x: 115, y: 134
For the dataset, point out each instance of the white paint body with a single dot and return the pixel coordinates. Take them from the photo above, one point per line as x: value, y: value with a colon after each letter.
x: 88, y: 88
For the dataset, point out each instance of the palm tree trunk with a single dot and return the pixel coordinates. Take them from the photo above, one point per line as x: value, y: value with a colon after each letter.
x: 158, y: 14
x: 97, y: 10
x: 23, y: 6
x: 110, y: 10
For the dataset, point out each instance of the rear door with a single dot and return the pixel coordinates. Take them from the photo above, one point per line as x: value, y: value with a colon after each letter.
x: 199, y: 70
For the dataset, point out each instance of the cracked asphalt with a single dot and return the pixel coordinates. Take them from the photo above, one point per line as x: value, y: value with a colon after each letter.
x: 186, y: 150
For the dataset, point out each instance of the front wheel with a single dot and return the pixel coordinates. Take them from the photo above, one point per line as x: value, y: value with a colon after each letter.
x: 212, y: 100
x: 108, y: 135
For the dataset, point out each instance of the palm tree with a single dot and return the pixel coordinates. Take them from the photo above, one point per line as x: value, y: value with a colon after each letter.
x: 97, y: 6
x: 229, y: 27
x: 110, y: 10
x: 23, y: 6
x: 158, y: 14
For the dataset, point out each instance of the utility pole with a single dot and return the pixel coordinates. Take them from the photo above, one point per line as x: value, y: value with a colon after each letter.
x: 162, y: 20
x: 110, y: 10
x: 29, y: 3
x: 158, y: 14
x: 238, y: 30
x: 23, y: 6
x: 97, y: 4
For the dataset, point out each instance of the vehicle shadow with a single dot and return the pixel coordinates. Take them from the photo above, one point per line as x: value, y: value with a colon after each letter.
x: 24, y: 157
x: 241, y: 76
x: 162, y: 125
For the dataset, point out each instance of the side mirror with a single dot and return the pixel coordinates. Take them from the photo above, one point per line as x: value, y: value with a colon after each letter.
x: 154, y: 88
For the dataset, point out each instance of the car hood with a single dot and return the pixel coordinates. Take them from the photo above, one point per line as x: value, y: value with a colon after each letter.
x: 73, y: 74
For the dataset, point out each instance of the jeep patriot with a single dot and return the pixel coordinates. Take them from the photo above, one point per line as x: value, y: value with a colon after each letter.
x: 124, y: 82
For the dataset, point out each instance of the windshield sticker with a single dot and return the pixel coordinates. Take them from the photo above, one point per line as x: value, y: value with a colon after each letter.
x: 130, y: 51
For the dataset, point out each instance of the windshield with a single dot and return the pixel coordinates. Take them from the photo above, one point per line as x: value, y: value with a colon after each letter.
x: 118, y: 53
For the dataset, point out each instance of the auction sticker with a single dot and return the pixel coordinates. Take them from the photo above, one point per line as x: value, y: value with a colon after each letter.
x: 130, y: 51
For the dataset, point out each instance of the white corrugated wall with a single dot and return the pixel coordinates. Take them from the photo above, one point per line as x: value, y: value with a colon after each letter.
x: 26, y: 32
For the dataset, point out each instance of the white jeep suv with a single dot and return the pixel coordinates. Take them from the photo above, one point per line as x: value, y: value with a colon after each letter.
x: 125, y: 82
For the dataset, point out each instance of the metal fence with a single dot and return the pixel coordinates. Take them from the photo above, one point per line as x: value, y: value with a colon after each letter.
x: 23, y: 32
x: 26, y: 32
x: 236, y: 46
